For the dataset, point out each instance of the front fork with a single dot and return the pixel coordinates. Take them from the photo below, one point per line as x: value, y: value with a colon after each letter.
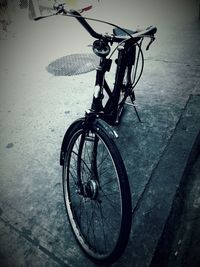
x: 89, y: 142
x: 91, y: 125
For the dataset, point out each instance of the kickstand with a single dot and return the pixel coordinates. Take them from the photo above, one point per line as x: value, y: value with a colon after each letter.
x: 135, y: 109
x: 137, y: 114
x: 132, y: 98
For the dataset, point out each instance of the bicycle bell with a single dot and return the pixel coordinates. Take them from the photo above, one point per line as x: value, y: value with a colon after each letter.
x: 101, y: 48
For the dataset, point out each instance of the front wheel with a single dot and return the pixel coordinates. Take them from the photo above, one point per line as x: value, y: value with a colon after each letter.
x: 96, y: 193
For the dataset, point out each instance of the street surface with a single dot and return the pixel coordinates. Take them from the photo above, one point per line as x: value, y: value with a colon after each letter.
x: 36, y: 108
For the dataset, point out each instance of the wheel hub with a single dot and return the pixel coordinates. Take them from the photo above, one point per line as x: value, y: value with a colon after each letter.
x: 91, y: 189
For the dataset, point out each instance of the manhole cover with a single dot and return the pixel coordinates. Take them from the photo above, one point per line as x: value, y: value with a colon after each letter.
x: 73, y: 64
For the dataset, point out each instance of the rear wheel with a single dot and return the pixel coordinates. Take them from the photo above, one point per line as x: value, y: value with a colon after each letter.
x: 96, y: 193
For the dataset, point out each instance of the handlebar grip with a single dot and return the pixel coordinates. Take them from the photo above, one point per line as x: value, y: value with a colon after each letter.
x: 43, y: 17
x: 151, y: 30
x: 38, y: 18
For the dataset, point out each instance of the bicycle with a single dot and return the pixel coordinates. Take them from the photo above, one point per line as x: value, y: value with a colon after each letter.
x: 96, y: 190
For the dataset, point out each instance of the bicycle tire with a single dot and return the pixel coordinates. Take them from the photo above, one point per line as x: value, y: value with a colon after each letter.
x: 104, y: 231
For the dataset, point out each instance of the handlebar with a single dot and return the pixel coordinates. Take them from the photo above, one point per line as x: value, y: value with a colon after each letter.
x: 148, y: 32
x: 85, y: 24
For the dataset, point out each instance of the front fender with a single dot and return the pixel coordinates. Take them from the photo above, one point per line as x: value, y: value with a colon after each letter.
x: 99, y: 123
x: 95, y: 124
x: 67, y: 136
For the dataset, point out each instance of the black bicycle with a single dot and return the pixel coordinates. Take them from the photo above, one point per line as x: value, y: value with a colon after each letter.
x: 95, y: 183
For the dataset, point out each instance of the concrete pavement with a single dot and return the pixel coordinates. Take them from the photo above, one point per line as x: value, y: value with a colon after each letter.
x: 35, y: 110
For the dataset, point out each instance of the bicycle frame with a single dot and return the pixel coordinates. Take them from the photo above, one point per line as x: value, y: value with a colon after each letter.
x: 125, y: 61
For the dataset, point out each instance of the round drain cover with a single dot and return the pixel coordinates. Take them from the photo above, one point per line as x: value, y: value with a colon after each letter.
x: 73, y: 64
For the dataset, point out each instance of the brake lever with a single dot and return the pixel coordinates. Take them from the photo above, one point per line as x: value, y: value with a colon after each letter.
x: 59, y: 8
x: 151, y: 41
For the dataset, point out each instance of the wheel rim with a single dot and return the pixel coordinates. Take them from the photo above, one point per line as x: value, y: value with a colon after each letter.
x: 93, y: 196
